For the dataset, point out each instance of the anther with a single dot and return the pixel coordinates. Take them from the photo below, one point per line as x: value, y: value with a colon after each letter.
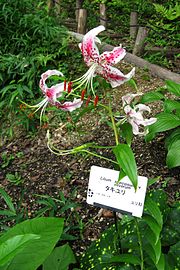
x: 83, y: 94
x: 88, y: 100
x: 64, y: 85
x: 69, y: 87
x: 96, y: 100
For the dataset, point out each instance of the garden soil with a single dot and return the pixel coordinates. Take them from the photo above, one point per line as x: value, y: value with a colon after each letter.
x: 44, y: 173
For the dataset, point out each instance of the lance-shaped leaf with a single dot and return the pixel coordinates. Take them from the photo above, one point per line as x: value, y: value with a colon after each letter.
x: 154, y: 210
x: 151, y: 97
x: 173, y: 87
x: 173, y: 157
x: 165, y: 121
x: 126, y: 160
x: 154, y: 226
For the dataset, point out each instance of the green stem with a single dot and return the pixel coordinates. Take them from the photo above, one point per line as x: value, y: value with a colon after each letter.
x: 99, y: 156
x: 114, y: 125
x: 140, y: 244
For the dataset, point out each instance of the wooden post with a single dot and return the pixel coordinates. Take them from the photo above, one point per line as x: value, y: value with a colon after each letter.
x: 139, y: 43
x: 82, y: 21
x: 103, y: 18
x: 57, y: 6
x: 78, y: 6
x: 133, y: 24
x: 50, y: 4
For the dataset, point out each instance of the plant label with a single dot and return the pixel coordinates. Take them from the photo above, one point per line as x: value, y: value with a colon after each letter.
x: 105, y: 191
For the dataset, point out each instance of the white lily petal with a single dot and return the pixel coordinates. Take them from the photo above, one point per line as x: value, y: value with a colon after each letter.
x: 114, y: 76
x: 127, y: 99
x: 88, y: 46
x: 69, y: 105
x: 142, y: 108
x: 148, y: 122
x: 113, y: 57
x: 135, y: 126
x: 94, y: 32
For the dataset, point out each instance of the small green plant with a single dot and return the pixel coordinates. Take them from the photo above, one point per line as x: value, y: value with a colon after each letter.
x: 15, y: 178
x: 11, y: 211
x: 55, y: 206
x: 6, y: 159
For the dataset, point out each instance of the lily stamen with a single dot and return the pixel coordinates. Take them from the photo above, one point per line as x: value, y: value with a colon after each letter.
x: 88, y: 100
x: 96, y: 100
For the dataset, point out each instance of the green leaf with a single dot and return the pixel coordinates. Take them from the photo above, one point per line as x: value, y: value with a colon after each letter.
x: 172, y: 106
x: 8, y: 200
x: 161, y: 263
x: 153, y: 209
x: 127, y: 133
x: 34, y: 254
x: 173, y: 156
x: 155, y: 246
x: 133, y: 84
x: 152, y: 181
x: 127, y: 258
x: 153, y: 225
x: 60, y: 259
x: 171, y: 228
x: 7, y: 213
x: 151, y: 97
x: 173, y: 137
x: 165, y: 121
x: 150, y: 252
x: 11, y: 247
x: 173, y: 87
x: 126, y: 160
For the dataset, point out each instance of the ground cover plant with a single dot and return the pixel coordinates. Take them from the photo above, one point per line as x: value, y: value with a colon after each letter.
x: 47, y: 231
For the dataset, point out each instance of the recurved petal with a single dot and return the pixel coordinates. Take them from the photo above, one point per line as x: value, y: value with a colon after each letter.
x: 56, y: 90
x: 135, y: 126
x: 114, y: 56
x: 88, y: 46
x: 51, y: 72
x: 114, y: 76
x: 127, y: 99
x: 150, y: 121
x: 69, y: 105
x: 142, y: 108
x: 46, y: 75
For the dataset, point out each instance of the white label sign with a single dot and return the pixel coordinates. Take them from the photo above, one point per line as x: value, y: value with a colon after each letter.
x: 104, y: 191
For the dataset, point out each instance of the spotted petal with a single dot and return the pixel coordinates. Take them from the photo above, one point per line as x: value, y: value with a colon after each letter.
x: 114, y: 76
x: 88, y: 46
x: 45, y: 75
x: 54, y: 92
x: 69, y: 105
x: 113, y: 57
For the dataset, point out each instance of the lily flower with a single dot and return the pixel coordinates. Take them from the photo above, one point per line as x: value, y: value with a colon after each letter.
x: 134, y: 115
x: 102, y: 64
x: 52, y: 93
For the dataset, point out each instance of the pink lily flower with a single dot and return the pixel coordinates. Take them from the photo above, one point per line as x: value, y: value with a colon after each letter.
x: 102, y: 64
x: 134, y: 115
x: 53, y: 93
